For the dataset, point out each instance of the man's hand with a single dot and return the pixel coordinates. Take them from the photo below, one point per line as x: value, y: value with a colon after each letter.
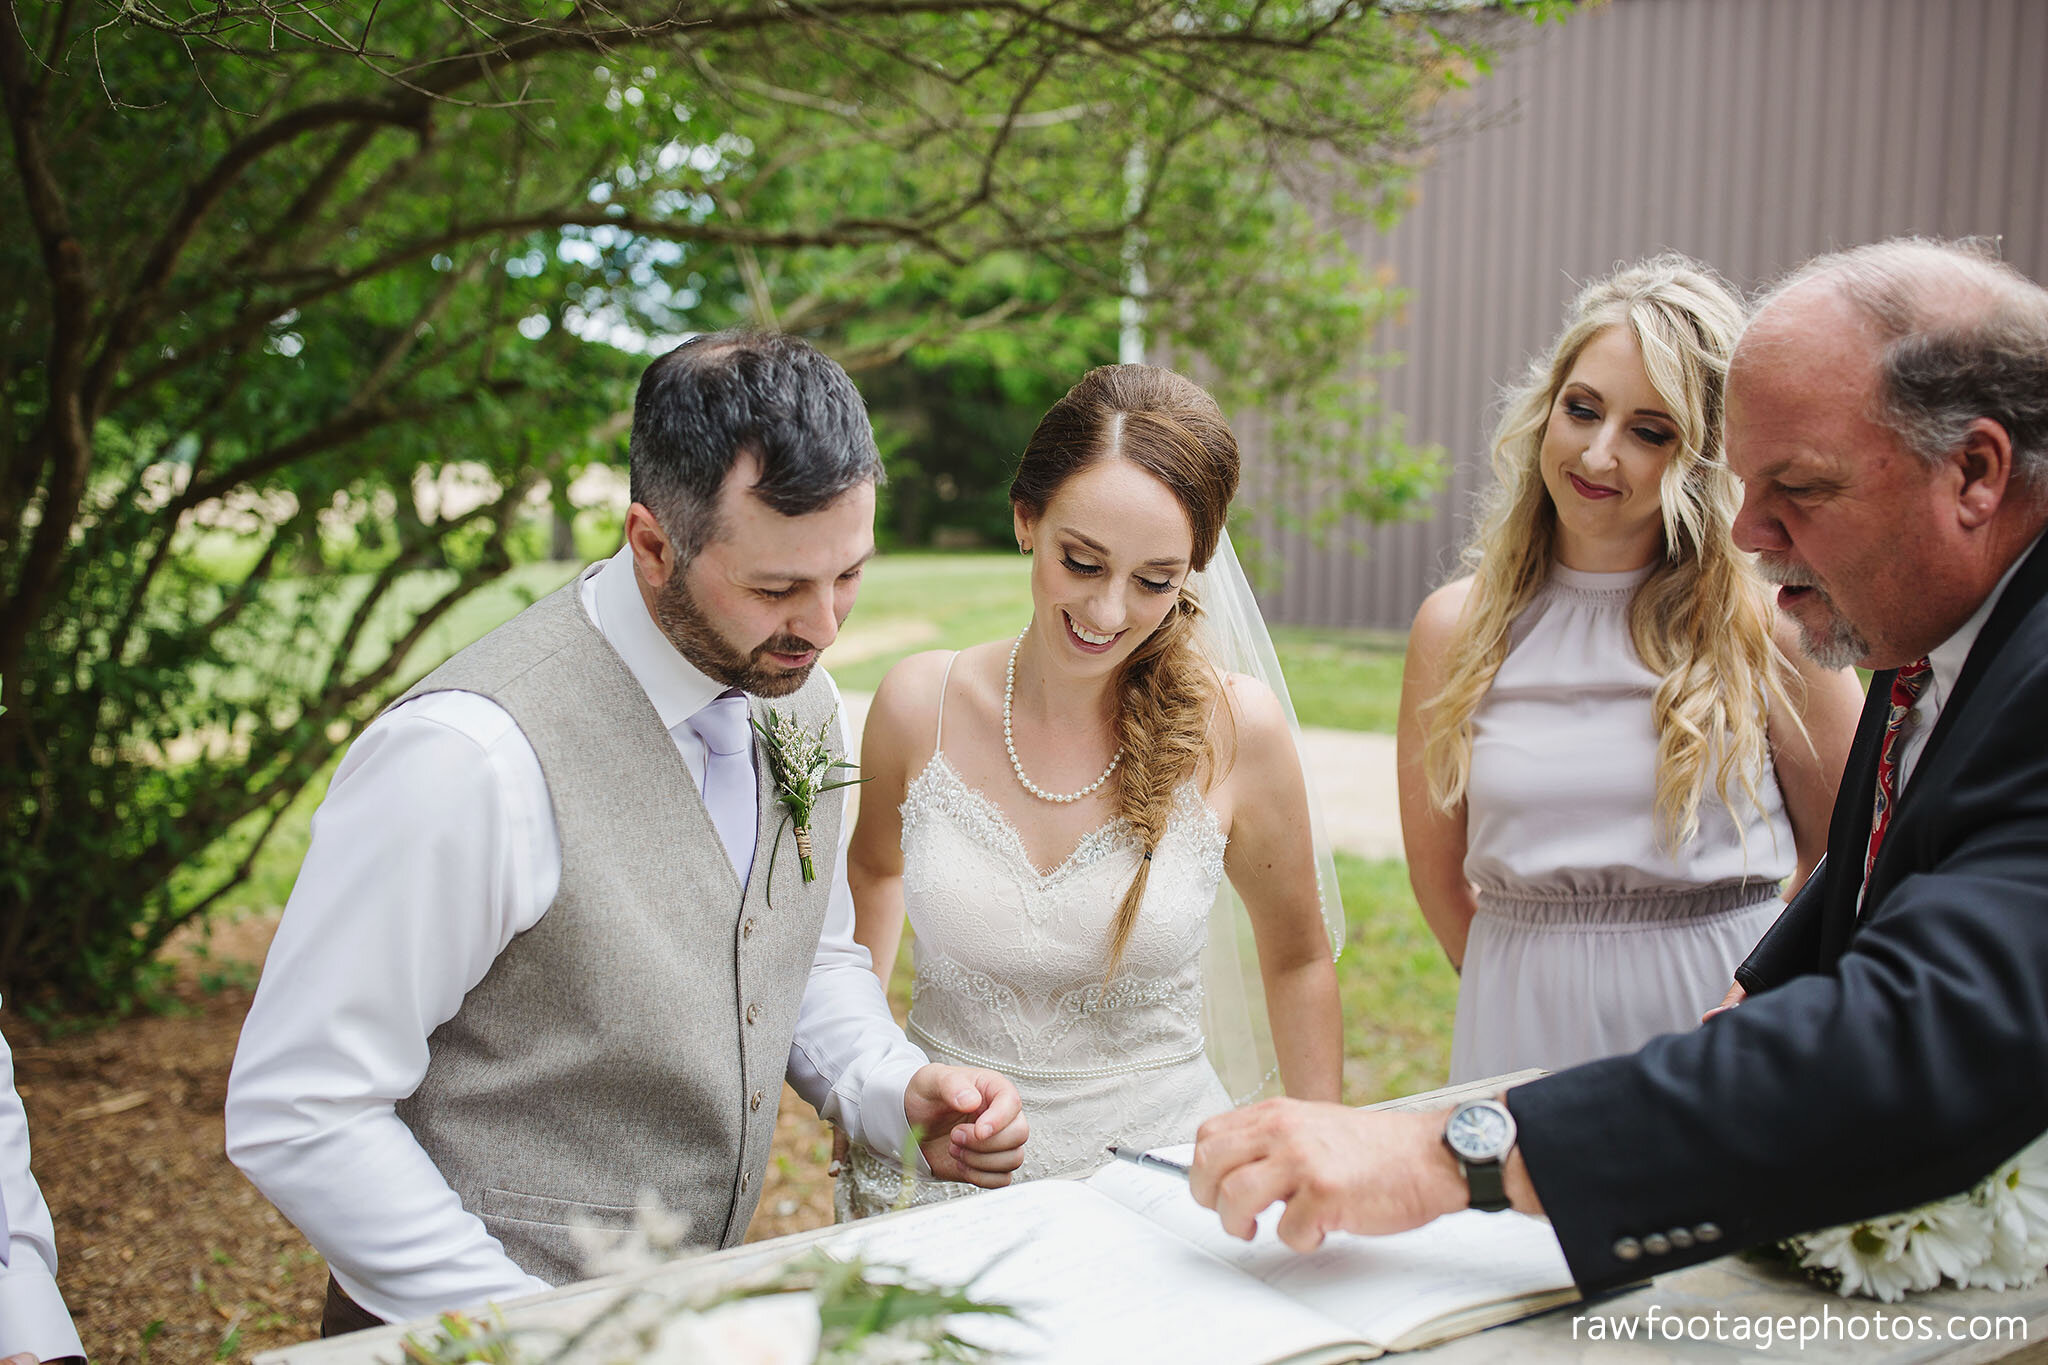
x: 1736, y: 995
x: 1337, y: 1170
x: 25, y: 1358
x: 975, y: 1120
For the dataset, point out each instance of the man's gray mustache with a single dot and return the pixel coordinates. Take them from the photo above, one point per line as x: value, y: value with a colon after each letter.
x: 1786, y: 575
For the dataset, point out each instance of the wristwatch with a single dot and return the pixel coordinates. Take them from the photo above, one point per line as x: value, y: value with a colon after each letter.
x: 1480, y: 1134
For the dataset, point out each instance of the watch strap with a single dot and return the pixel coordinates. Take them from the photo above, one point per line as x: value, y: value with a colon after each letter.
x: 1488, y: 1185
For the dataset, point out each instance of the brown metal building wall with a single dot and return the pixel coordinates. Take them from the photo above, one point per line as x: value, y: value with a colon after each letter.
x: 1748, y: 133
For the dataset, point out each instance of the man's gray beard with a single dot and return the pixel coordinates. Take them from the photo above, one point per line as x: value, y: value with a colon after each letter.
x: 1837, y: 644
x: 696, y: 638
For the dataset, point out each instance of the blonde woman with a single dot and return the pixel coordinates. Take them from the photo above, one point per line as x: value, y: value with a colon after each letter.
x: 1611, y: 753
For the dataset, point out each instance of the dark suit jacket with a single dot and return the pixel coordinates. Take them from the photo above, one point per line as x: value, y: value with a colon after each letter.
x: 1879, y: 1063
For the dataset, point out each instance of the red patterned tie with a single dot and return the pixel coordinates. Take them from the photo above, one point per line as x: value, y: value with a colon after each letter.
x: 1906, y: 685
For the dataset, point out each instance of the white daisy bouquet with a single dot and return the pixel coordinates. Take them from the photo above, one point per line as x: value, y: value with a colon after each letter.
x: 1994, y: 1236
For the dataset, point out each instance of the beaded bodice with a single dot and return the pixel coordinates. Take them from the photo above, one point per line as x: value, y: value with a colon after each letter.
x: 1010, y: 959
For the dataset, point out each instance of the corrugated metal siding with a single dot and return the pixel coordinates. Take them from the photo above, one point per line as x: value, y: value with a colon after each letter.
x: 1748, y: 133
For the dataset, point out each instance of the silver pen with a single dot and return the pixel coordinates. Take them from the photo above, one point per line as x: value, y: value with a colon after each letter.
x: 1164, y: 1165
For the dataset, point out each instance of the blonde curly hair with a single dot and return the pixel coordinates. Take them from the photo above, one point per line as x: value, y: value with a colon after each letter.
x: 1701, y: 621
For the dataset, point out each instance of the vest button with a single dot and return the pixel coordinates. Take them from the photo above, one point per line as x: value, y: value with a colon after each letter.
x: 746, y: 1181
x: 747, y: 929
x: 753, y: 1011
x: 754, y: 1101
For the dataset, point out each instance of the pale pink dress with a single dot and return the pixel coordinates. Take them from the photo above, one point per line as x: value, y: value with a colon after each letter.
x: 1591, y: 936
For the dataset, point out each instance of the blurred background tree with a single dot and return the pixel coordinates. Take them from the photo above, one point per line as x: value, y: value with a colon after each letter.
x: 321, y: 311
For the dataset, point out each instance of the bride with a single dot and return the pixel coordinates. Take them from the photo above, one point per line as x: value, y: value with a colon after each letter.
x: 1056, y: 811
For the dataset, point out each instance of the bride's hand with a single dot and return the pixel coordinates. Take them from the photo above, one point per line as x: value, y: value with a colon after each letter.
x: 975, y: 1119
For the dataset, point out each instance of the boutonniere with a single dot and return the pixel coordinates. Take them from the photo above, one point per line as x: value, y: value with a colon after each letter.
x: 800, y: 762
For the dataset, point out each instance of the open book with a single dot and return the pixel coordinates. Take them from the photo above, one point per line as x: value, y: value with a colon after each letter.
x: 1126, y: 1266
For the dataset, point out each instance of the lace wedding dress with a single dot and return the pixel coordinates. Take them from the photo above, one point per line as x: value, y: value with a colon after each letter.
x: 1009, y: 964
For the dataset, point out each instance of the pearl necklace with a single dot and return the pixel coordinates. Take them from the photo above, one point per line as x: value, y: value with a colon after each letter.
x: 1009, y: 695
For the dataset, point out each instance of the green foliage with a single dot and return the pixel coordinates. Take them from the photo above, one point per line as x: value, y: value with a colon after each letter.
x: 311, y: 308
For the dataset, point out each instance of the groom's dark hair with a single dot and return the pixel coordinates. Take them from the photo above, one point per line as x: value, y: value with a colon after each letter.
x: 722, y: 393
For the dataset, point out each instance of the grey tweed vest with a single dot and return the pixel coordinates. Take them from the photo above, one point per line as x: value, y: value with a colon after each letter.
x: 636, y: 1037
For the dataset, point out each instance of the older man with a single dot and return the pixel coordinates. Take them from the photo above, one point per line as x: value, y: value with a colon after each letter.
x: 1888, y: 414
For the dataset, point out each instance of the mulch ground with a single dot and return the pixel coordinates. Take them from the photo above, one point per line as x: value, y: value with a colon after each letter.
x: 166, y: 1253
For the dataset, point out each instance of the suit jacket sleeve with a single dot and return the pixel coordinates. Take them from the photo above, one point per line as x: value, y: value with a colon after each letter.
x: 1903, y: 1072
x: 1792, y: 944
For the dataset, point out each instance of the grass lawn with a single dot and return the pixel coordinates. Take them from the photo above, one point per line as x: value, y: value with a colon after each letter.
x: 1399, y: 995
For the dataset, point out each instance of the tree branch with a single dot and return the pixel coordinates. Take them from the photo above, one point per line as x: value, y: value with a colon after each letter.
x: 120, y: 333
x: 343, y: 429
x: 64, y: 442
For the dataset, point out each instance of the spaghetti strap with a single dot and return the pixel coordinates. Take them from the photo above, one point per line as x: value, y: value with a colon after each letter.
x: 939, y: 731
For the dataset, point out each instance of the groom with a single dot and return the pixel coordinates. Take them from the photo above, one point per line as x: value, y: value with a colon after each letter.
x: 532, y: 966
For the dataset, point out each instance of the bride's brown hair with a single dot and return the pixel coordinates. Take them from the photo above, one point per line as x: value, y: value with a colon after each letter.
x: 1169, y: 427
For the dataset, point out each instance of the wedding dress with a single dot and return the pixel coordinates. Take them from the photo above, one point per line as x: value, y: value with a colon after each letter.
x: 1009, y: 976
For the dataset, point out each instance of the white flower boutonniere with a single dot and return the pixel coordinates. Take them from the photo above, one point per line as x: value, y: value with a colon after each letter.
x: 800, y: 762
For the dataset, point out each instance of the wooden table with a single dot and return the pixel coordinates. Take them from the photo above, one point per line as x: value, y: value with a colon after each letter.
x: 1731, y: 1286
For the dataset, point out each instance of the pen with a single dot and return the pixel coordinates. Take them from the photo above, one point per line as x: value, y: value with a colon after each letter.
x: 1150, y: 1162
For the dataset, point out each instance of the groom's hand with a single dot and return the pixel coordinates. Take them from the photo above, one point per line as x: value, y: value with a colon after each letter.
x: 976, y: 1122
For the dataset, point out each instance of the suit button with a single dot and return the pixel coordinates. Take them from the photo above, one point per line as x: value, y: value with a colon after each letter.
x: 1708, y: 1232
x: 754, y: 1102
x: 1628, y: 1249
x: 747, y: 929
x: 746, y: 1181
x: 1680, y: 1237
x: 753, y: 1011
x: 1657, y: 1244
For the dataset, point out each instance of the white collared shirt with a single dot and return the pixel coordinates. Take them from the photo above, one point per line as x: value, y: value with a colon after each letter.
x: 32, y: 1313
x: 435, y: 846
x: 1945, y: 665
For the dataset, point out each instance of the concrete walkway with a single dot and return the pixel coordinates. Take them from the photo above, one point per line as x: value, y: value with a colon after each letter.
x: 1352, y: 772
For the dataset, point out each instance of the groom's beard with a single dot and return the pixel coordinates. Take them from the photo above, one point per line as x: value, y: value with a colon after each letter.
x: 697, y: 638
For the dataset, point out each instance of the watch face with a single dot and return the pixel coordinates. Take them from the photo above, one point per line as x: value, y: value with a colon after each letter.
x: 1480, y: 1132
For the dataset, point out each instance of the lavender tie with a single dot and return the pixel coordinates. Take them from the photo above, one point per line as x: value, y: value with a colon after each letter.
x: 728, y: 786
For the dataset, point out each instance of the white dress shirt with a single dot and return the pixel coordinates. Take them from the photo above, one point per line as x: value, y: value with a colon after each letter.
x: 32, y: 1313
x: 436, y: 845
x: 1945, y: 665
